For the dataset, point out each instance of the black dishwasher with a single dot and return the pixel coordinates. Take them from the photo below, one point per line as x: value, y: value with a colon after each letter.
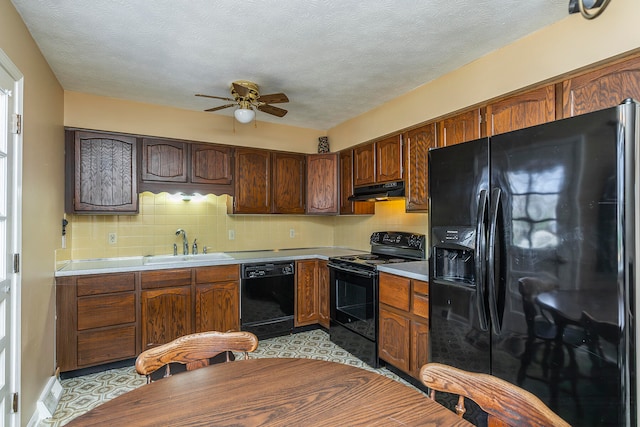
x: 267, y: 295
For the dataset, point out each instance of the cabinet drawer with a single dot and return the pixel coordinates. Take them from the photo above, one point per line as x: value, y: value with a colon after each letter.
x: 420, y: 287
x: 421, y: 305
x: 165, y: 278
x: 106, y: 310
x: 105, y: 284
x: 95, y: 347
x: 395, y: 291
x: 220, y: 273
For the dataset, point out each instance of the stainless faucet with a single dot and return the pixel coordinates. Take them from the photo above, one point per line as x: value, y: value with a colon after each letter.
x: 185, y: 241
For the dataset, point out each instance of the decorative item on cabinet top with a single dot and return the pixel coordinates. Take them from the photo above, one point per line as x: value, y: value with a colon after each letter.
x: 323, y: 144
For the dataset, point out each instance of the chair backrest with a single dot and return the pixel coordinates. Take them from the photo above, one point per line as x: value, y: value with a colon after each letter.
x: 194, y: 351
x: 505, y: 404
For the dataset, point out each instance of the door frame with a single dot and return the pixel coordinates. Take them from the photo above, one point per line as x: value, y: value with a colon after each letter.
x: 16, y: 232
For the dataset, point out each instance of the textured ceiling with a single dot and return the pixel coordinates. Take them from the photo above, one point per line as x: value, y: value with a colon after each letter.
x: 335, y: 59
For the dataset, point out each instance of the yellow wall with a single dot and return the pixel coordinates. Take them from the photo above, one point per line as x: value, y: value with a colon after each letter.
x: 568, y: 45
x: 97, y: 112
x: 205, y: 218
x: 42, y: 203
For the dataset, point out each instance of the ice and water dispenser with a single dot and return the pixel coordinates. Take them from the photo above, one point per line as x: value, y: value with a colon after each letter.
x: 453, y: 252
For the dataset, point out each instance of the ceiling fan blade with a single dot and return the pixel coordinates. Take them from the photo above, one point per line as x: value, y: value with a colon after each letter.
x: 273, y: 98
x: 240, y: 90
x: 270, y: 109
x: 215, y: 97
x: 221, y: 107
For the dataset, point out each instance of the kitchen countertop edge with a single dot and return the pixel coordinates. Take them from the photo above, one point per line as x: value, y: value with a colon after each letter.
x: 132, y: 264
x: 418, y: 270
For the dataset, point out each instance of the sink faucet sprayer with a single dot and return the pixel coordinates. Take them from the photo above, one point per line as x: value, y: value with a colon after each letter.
x: 185, y: 242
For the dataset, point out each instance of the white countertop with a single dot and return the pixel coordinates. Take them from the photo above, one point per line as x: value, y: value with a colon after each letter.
x: 140, y: 263
x: 418, y: 270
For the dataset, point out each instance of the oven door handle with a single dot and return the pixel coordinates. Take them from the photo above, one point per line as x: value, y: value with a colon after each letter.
x: 367, y: 274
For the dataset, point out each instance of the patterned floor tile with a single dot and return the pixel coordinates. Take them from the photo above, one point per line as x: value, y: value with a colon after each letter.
x: 80, y: 394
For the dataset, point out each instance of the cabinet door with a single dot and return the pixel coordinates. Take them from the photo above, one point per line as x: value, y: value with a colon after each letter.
x: 253, y: 175
x: 460, y: 128
x: 288, y: 183
x: 307, y: 305
x: 218, y: 307
x: 164, y: 161
x: 165, y: 315
x: 322, y: 184
x: 419, y: 346
x: 393, y: 342
x: 417, y: 144
x: 389, y: 159
x: 105, y: 178
x: 602, y: 88
x: 348, y: 207
x: 211, y: 164
x: 364, y: 165
x: 520, y: 111
x: 323, y: 293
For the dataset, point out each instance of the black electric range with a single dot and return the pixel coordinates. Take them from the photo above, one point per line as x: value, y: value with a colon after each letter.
x: 354, y: 290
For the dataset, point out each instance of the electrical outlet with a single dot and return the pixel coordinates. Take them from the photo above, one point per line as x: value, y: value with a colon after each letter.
x: 232, y: 234
x: 292, y: 233
x: 113, y: 238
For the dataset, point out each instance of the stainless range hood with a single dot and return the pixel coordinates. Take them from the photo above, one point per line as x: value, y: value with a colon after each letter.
x: 378, y: 192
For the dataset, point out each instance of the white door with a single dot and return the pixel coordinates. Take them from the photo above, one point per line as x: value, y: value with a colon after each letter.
x: 10, y: 182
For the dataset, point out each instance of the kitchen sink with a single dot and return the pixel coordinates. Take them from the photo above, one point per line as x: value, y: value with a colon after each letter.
x: 170, y: 259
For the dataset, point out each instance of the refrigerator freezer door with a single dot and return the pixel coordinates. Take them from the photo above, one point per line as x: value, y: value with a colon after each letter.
x: 557, y: 275
x: 458, y: 184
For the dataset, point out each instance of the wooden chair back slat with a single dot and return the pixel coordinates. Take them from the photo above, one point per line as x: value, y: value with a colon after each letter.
x: 194, y: 351
x: 506, y: 404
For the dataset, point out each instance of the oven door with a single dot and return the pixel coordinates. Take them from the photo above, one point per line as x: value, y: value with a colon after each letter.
x: 354, y: 300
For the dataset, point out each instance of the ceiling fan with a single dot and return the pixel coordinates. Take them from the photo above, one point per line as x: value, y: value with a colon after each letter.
x: 247, y: 96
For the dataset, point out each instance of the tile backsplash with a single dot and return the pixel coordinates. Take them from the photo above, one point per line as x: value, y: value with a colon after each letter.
x: 205, y: 218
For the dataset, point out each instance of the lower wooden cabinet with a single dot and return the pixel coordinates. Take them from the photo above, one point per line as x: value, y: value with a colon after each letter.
x: 324, y: 294
x: 111, y: 317
x: 96, y: 320
x: 404, y: 323
x: 307, y: 303
x: 217, y: 298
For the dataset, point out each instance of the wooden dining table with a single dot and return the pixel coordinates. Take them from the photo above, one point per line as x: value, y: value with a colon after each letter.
x: 272, y: 392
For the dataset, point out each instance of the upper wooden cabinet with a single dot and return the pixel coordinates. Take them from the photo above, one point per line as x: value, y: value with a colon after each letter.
x: 378, y: 162
x: 322, y: 184
x: 417, y: 144
x: 253, y: 177
x: 520, y: 111
x: 101, y: 173
x: 288, y: 183
x: 269, y: 182
x: 389, y: 159
x: 181, y: 166
x: 364, y: 164
x: 164, y: 161
x: 602, y: 88
x: 348, y: 207
x: 211, y: 164
x: 462, y: 127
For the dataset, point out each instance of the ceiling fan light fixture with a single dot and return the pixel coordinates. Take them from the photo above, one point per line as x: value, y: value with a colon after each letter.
x: 244, y: 115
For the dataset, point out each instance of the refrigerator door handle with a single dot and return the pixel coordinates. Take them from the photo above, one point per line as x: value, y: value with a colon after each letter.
x: 479, y: 260
x: 491, y: 260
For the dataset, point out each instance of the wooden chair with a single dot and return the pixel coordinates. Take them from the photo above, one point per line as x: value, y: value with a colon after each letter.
x: 505, y: 404
x: 194, y: 351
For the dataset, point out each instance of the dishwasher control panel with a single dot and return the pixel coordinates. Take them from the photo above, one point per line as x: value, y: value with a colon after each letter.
x: 265, y: 269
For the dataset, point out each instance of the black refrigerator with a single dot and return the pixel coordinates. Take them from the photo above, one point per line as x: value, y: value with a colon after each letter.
x: 533, y: 258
